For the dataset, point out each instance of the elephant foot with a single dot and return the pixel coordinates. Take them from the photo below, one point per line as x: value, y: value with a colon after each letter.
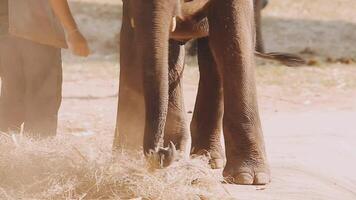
x: 163, y: 157
x: 214, y: 153
x: 217, y: 163
x: 182, y: 142
x: 248, y: 171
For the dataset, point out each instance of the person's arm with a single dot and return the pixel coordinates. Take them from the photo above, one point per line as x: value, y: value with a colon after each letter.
x: 76, y: 41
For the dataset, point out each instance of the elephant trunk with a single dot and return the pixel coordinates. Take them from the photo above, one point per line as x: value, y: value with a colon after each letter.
x: 154, y: 40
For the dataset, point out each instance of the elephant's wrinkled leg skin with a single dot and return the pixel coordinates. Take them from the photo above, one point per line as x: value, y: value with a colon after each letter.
x: 231, y: 40
x: 131, y: 109
x: 176, y: 129
x: 206, y: 126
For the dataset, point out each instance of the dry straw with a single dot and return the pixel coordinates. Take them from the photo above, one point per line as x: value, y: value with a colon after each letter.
x: 70, y: 167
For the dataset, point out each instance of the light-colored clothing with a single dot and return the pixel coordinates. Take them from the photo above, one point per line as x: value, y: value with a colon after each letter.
x: 35, y: 20
x: 30, y: 66
x: 4, y: 17
x: 31, y: 86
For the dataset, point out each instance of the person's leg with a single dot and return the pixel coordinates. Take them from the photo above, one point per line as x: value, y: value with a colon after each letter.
x: 12, y: 86
x: 43, y: 77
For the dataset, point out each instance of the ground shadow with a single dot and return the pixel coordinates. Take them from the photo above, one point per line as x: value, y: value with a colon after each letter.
x: 325, y: 38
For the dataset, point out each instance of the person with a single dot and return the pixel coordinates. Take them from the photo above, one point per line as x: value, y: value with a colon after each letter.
x: 32, y: 33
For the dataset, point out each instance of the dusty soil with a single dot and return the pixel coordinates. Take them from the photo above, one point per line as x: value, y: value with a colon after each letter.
x: 308, y: 113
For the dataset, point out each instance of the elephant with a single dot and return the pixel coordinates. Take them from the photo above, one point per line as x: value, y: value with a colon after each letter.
x: 139, y: 112
x: 193, y: 24
x: 151, y: 95
x: 258, y: 6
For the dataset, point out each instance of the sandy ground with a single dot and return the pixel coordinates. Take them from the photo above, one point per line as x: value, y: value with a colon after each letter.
x: 308, y: 113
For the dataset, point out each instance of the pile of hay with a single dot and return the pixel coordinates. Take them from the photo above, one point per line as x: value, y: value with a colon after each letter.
x: 70, y: 167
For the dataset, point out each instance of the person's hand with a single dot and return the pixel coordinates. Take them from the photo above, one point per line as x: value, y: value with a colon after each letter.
x: 77, y: 43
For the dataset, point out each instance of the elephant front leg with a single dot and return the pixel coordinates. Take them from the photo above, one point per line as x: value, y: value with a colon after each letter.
x: 206, y: 126
x: 131, y: 109
x: 231, y: 39
x: 176, y: 129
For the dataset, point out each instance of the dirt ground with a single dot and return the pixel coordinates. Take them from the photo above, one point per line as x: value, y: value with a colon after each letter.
x: 308, y: 113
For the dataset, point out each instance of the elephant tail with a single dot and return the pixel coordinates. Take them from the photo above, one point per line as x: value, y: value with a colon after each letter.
x: 287, y: 59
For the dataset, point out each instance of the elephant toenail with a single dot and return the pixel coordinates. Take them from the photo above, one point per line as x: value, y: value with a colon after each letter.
x: 244, y: 179
x: 262, y: 179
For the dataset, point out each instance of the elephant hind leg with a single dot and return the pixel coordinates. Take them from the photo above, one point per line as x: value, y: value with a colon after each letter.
x: 258, y: 6
x: 176, y: 129
x: 206, y: 125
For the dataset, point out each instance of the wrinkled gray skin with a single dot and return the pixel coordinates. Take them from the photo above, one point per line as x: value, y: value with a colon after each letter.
x: 152, y: 66
x: 146, y: 70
